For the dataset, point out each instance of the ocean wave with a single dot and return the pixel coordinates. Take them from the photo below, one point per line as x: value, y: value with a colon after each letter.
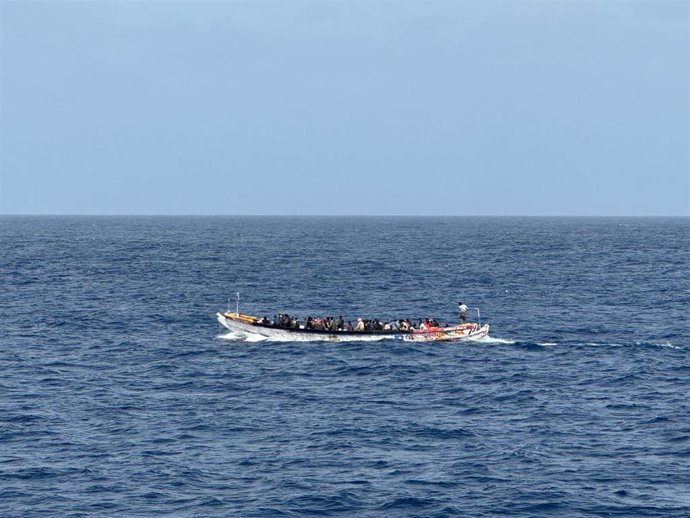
x: 120, y: 397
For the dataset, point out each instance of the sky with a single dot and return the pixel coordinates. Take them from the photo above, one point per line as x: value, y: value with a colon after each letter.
x: 334, y: 107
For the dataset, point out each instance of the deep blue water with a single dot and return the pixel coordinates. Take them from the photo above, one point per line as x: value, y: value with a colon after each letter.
x: 121, y: 396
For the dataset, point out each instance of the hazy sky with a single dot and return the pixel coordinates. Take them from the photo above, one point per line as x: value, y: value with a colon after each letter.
x: 345, y: 107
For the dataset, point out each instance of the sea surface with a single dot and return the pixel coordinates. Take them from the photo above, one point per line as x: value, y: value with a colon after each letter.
x: 121, y: 396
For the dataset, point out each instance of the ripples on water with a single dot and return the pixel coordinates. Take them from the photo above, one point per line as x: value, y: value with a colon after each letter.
x: 121, y: 396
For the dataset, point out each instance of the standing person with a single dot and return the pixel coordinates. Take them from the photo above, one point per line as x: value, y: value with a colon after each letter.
x: 463, y: 312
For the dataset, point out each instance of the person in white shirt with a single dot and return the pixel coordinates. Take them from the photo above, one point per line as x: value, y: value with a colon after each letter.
x: 360, y: 325
x: 463, y: 312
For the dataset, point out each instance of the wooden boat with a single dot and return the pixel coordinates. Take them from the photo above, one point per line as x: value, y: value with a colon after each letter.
x: 249, y: 324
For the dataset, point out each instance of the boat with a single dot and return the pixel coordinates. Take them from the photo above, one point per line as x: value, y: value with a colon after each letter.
x: 252, y: 325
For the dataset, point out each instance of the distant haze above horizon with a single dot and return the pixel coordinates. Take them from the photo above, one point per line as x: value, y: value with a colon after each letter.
x: 525, y: 108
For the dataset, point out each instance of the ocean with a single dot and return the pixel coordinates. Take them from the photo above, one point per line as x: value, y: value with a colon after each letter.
x: 120, y: 395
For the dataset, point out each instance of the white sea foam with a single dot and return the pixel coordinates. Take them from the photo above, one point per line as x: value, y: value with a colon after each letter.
x: 667, y: 345
x: 492, y: 340
x: 236, y: 336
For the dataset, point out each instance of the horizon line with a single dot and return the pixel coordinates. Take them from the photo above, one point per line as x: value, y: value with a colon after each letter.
x: 169, y: 215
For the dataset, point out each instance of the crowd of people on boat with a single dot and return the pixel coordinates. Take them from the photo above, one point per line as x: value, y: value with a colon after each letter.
x: 330, y: 323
